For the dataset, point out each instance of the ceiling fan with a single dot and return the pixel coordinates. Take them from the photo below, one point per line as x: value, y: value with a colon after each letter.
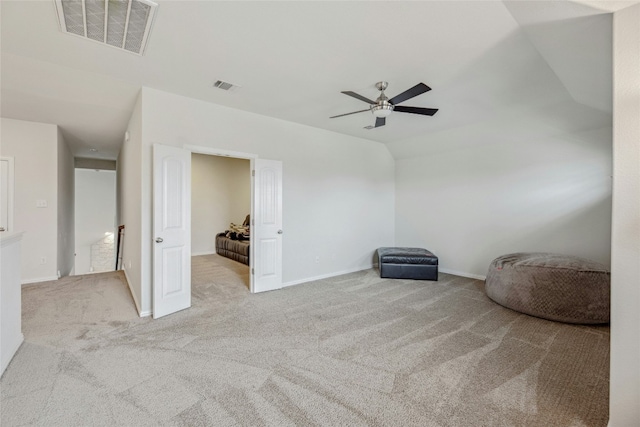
x: 383, y: 106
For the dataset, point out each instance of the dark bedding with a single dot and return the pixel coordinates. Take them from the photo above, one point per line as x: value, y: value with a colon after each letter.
x: 237, y: 250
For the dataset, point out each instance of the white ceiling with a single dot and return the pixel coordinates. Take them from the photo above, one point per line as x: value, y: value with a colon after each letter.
x: 292, y: 59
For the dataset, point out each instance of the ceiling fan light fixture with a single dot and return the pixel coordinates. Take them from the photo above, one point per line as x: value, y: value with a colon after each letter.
x: 382, y: 110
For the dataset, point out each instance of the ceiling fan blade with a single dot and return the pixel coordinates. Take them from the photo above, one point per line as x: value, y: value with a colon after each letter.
x: 340, y: 115
x: 416, y: 110
x: 360, y: 97
x: 380, y: 121
x: 418, y: 89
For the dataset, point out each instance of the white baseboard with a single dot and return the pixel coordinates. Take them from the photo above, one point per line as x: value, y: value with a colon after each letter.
x: 38, y: 280
x: 325, y: 276
x: 339, y: 273
x: 462, y: 274
x: 133, y: 296
x: 203, y: 253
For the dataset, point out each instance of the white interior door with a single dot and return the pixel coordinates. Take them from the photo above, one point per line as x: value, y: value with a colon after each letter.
x: 171, y: 230
x: 266, y: 228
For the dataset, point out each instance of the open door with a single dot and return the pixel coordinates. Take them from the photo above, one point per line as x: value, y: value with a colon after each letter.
x: 171, y: 230
x: 266, y: 227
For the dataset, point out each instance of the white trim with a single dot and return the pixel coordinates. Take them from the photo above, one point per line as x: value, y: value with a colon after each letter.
x: 375, y: 265
x: 39, y: 280
x: 10, y: 191
x: 218, y: 152
x: 252, y: 212
x: 462, y: 274
x: 62, y: 23
x: 133, y: 296
x: 88, y: 273
x: 326, y: 276
x: 203, y: 253
x: 147, y: 29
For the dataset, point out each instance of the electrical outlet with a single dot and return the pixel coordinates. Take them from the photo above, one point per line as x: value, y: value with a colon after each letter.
x: 317, y: 259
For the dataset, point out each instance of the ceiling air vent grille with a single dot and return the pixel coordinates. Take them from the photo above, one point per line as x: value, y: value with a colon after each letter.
x: 124, y: 24
x: 225, y: 85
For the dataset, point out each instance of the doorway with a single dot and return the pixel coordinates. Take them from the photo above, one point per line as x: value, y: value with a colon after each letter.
x: 171, y: 203
x: 95, y: 215
x: 221, y: 196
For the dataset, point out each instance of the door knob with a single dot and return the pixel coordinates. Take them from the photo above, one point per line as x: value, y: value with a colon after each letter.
x: 159, y: 240
x: 279, y: 231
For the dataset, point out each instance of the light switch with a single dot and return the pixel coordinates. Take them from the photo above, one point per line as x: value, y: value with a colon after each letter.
x: 41, y: 203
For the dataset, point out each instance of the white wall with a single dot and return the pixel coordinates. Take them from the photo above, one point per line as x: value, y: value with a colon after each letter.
x: 65, y: 212
x: 220, y: 194
x: 337, y: 190
x: 529, y: 167
x: 95, y: 214
x: 625, y: 260
x: 472, y: 199
x: 240, y: 187
x: 530, y: 170
x: 129, y: 202
x: 34, y: 148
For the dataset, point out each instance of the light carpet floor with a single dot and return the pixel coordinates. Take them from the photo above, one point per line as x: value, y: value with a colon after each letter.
x: 353, y: 350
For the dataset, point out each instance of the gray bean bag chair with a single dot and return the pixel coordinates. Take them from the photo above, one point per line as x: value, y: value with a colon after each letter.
x: 555, y: 287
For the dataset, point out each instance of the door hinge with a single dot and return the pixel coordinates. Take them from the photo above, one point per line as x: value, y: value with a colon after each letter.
x: 253, y: 172
x: 253, y: 271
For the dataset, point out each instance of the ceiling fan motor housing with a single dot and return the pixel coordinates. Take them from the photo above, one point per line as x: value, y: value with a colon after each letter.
x: 382, y: 107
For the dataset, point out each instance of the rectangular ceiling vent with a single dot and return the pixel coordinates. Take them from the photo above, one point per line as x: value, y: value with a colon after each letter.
x: 225, y: 85
x: 124, y: 24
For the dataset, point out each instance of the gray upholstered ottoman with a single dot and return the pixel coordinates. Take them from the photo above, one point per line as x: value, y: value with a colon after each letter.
x: 555, y: 287
x: 407, y: 263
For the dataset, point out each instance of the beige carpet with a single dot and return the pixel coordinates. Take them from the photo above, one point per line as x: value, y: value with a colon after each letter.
x: 353, y: 350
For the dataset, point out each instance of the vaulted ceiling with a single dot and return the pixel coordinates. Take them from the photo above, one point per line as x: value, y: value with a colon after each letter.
x: 292, y: 59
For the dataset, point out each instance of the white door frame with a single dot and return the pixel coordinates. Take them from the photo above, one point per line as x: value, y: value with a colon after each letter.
x: 10, y: 191
x: 198, y: 149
